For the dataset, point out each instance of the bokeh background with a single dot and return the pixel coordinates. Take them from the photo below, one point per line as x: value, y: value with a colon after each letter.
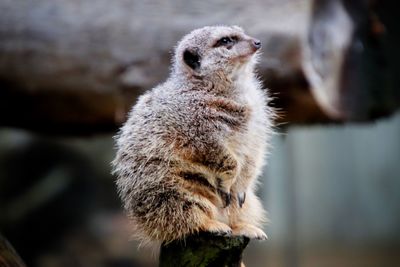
x: 71, y: 69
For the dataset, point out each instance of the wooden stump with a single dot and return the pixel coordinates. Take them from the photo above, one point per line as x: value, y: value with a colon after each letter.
x: 205, y: 250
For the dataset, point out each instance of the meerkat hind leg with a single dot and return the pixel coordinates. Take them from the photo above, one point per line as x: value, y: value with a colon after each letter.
x: 250, y: 217
x: 216, y: 227
x: 248, y: 230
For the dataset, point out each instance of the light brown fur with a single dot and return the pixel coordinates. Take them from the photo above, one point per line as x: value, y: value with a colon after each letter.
x: 195, y: 143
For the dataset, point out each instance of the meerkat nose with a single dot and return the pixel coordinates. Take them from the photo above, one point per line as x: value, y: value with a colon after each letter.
x: 257, y: 44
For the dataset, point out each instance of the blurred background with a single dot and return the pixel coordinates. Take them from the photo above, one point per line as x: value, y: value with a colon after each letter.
x: 71, y: 69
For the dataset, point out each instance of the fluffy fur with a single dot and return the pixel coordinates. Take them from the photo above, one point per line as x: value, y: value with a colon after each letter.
x: 189, y: 154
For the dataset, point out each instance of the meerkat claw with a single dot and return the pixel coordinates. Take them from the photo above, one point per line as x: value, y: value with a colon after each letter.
x: 241, y: 198
x: 226, y: 198
x: 262, y: 237
x: 224, y: 233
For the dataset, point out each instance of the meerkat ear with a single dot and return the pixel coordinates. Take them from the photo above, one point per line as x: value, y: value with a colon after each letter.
x: 192, y: 59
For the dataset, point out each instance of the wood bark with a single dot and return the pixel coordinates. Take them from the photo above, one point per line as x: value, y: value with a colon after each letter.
x: 204, y: 250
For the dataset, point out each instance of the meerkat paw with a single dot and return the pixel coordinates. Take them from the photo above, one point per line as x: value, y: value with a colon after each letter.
x: 249, y: 231
x: 218, y: 228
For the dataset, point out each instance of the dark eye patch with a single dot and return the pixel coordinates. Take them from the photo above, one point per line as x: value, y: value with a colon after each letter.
x: 226, y: 41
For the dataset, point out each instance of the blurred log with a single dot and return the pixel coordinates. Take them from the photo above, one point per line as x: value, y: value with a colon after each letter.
x: 8, y: 256
x: 352, y: 58
x: 77, y: 66
x: 204, y: 250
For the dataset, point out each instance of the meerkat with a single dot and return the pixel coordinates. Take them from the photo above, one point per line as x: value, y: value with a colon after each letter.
x: 189, y: 155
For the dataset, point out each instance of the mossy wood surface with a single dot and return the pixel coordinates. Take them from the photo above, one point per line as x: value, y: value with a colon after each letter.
x: 204, y: 250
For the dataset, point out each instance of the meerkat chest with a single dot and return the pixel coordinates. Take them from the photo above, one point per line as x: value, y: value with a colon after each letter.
x: 250, y: 141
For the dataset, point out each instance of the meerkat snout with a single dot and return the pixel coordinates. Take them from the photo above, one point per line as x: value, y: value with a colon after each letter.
x: 257, y: 44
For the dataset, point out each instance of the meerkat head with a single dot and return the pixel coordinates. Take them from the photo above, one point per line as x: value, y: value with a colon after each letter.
x: 215, y: 49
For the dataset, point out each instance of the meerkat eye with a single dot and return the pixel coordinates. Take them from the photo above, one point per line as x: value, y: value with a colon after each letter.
x: 226, y: 41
